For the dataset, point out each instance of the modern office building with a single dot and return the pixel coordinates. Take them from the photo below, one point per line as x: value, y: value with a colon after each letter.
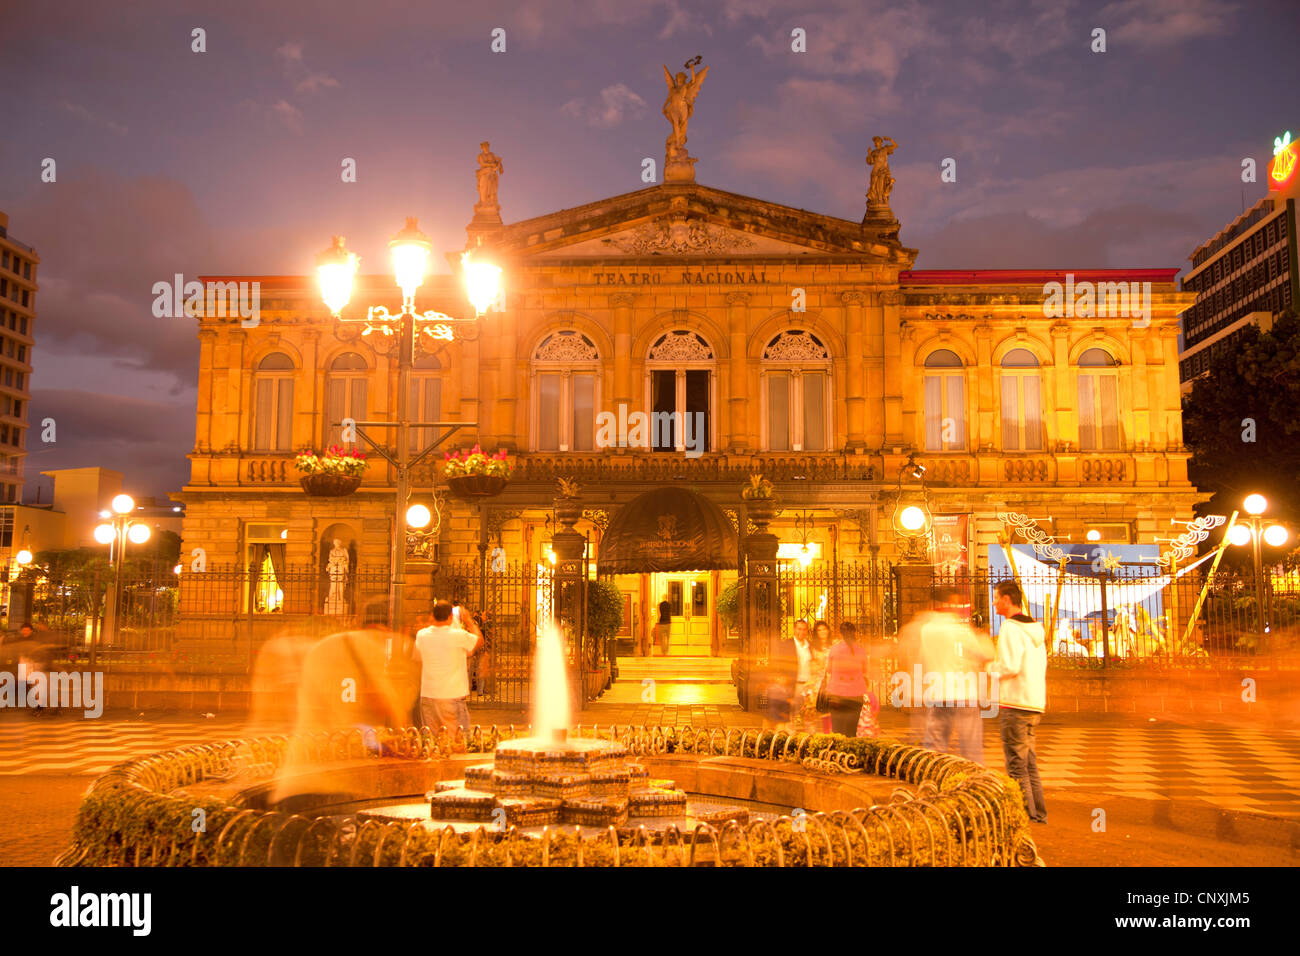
x: 1246, y: 274
x: 18, y: 263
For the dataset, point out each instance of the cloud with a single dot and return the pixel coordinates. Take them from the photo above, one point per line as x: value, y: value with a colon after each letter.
x: 613, y: 105
x: 1157, y: 23
x: 147, y: 441
x: 682, y: 21
x: 286, y: 113
x: 82, y: 113
x: 295, y: 68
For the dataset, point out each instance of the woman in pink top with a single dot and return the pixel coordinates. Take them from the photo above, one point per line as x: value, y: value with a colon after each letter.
x: 846, y: 680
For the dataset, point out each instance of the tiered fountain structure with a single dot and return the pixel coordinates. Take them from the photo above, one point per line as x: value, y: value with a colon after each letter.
x: 550, y: 778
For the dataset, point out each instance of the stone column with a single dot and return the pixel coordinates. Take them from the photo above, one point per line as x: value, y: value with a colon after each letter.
x: 1140, y: 387
x: 468, y: 387
x: 891, y: 349
x: 507, y: 396
x: 863, y: 367
x: 623, y: 390
x: 738, y: 400
x: 203, y: 437
x: 1060, y: 427
x: 307, y: 403
x: 984, y: 430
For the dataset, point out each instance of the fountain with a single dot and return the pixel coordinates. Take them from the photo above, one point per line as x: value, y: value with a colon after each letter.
x: 551, y: 778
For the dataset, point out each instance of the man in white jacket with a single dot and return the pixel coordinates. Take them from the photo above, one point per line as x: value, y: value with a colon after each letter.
x: 1021, y: 669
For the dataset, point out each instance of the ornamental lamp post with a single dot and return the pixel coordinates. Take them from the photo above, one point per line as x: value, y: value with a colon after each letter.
x: 115, y: 533
x: 336, y: 270
x: 1252, y: 531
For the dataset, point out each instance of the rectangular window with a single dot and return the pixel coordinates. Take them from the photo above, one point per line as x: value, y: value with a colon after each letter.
x: 955, y: 412
x: 663, y: 397
x: 584, y: 412
x: 1098, y: 413
x: 425, y: 405
x: 548, y: 412
x: 778, y: 411
x: 814, y: 411
x: 697, y: 406
x: 933, y: 413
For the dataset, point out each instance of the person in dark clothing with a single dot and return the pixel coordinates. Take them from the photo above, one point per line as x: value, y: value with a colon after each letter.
x: 664, y: 627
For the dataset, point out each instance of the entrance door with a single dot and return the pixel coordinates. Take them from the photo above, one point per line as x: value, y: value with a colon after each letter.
x: 691, y: 599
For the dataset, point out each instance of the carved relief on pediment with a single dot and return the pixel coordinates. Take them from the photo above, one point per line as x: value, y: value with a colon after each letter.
x: 679, y: 236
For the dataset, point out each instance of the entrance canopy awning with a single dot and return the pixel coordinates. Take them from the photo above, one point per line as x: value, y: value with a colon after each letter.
x: 668, y: 529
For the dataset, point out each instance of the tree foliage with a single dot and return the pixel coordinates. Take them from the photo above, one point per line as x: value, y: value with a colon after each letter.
x: 1242, y: 422
x: 604, y: 609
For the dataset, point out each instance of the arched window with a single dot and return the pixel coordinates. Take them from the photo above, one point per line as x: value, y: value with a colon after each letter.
x: 680, y: 382
x: 1022, y: 402
x: 945, y: 402
x: 273, y: 403
x: 566, y: 386
x: 345, y: 396
x: 796, y: 393
x: 424, y: 403
x: 1098, y: 401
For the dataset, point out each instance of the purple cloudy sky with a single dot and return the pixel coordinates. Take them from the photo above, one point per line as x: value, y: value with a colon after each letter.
x: 228, y: 161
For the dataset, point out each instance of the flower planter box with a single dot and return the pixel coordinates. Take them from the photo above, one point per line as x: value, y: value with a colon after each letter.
x: 330, y: 486
x: 477, y: 486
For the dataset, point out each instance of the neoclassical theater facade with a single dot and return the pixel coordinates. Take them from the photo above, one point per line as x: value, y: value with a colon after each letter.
x: 803, y: 346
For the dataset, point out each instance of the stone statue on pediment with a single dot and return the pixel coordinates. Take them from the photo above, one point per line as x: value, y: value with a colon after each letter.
x: 678, y: 108
x: 882, y: 184
x: 489, y: 168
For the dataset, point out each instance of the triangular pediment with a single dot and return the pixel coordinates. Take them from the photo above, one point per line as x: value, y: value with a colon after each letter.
x: 689, y: 221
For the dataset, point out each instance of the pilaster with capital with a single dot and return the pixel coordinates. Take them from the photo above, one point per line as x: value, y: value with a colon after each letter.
x: 1142, y: 424
x: 984, y: 431
x: 891, y: 349
x: 507, y: 377
x: 856, y: 385
x: 308, y: 404
x: 738, y: 405
x: 623, y: 387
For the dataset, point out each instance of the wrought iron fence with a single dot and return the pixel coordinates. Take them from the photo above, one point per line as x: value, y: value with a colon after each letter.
x: 516, y: 597
x: 1138, y: 613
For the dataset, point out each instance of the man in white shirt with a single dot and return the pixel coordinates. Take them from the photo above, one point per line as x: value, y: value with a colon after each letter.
x: 443, y: 650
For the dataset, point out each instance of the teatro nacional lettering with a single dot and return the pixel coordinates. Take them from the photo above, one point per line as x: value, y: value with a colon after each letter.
x: 687, y: 277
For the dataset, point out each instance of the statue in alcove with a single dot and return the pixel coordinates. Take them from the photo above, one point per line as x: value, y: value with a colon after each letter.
x: 336, y: 568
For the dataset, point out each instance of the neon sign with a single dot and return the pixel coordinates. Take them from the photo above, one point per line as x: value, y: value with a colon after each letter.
x: 1284, y: 161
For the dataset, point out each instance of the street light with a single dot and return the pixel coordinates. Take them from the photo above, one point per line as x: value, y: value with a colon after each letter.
x: 912, y: 517
x: 1253, y: 531
x: 116, y: 532
x: 336, y: 270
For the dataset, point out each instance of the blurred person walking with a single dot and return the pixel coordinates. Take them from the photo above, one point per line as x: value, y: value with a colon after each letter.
x: 846, y: 681
x: 953, y: 654
x: 1021, y: 669
x: 443, y: 650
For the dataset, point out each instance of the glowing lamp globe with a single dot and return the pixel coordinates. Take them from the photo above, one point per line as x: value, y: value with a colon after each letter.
x: 336, y: 268
x: 104, y: 533
x: 1239, y: 535
x: 410, y: 249
x: 482, y: 282
x: 418, y: 516
x: 912, y: 518
x: 23, y: 557
x: 123, y: 504
x: 176, y: 570
x: 805, y: 556
x: 1275, y: 536
x: 1094, y: 535
x: 138, y: 533
x: 1255, y: 504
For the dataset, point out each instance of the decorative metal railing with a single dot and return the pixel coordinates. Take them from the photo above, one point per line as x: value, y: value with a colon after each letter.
x: 959, y: 814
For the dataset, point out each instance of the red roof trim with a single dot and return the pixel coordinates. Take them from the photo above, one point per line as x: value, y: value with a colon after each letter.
x: 1030, y: 276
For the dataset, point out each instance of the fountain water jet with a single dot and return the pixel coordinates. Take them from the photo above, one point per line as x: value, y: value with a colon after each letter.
x: 550, y: 685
